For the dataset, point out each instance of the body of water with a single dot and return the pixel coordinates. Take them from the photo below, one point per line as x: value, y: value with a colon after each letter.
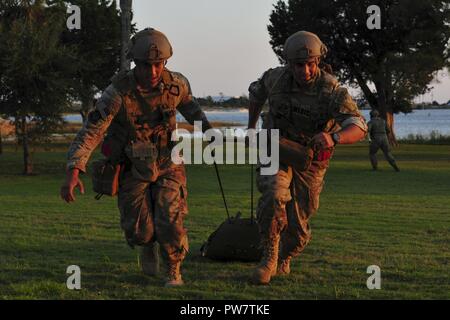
x: 421, y: 122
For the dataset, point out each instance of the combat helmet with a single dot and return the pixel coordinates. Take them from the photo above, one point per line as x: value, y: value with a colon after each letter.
x: 374, y: 113
x: 149, y: 45
x: 302, y: 46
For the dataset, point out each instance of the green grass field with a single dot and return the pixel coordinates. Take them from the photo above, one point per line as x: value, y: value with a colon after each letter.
x: 398, y: 221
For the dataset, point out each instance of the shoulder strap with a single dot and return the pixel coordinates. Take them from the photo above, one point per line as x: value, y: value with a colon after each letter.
x: 327, y: 85
x: 276, y: 82
x: 124, y: 82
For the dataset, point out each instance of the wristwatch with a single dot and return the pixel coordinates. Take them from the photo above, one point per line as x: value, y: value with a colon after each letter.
x: 336, y: 137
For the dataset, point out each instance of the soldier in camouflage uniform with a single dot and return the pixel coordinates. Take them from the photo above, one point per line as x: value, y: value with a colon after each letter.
x: 138, y: 112
x: 309, y: 107
x: 378, y: 131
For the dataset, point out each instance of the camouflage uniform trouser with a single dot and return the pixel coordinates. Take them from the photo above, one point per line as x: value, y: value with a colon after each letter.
x: 155, y: 211
x: 383, y: 144
x: 289, y: 198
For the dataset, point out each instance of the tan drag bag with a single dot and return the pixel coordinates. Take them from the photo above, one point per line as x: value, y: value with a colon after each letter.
x: 105, y: 178
x: 235, y: 239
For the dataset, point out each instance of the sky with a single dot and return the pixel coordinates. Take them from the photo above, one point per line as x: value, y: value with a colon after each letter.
x: 221, y: 46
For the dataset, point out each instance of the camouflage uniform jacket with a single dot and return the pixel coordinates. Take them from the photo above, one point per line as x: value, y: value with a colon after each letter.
x: 300, y: 113
x: 135, y: 116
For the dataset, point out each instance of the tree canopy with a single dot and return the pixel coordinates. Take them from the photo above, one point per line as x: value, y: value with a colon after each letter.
x: 391, y: 65
x: 96, y: 50
x: 35, y: 69
x: 45, y: 67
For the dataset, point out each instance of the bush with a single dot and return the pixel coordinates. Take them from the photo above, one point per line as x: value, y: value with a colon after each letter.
x: 433, y: 138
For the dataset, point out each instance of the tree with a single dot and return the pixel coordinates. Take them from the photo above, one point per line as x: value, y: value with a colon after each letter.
x: 33, y: 87
x: 399, y: 60
x: 209, y: 101
x: 3, y: 14
x: 96, y: 53
x: 236, y: 102
x: 126, y: 16
x: 1, y: 134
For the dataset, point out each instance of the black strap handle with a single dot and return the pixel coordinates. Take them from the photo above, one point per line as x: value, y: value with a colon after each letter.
x: 221, y: 190
x: 251, y: 194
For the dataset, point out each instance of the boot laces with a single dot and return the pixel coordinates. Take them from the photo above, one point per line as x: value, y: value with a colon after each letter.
x: 285, y: 262
x: 272, y: 247
x: 172, y: 270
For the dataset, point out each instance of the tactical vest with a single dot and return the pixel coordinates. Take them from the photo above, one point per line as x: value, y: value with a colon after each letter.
x: 299, y: 115
x: 378, y: 127
x: 142, y: 129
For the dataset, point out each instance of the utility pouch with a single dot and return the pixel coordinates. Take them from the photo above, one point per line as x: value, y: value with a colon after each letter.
x: 144, y: 151
x: 143, y: 157
x: 105, y: 178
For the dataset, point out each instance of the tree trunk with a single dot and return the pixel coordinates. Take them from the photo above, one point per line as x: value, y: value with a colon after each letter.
x: 17, y: 130
x: 389, y: 116
x: 1, y: 132
x: 370, y: 96
x: 1, y: 144
x: 87, y: 104
x: 27, y: 161
x: 386, y: 114
x: 385, y: 110
x: 125, y: 7
x: 84, y: 115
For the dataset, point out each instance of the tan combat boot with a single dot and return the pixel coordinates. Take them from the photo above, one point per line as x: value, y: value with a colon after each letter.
x: 268, y: 265
x: 284, y: 266
x: 150, y: 259
x: 174, y: 275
